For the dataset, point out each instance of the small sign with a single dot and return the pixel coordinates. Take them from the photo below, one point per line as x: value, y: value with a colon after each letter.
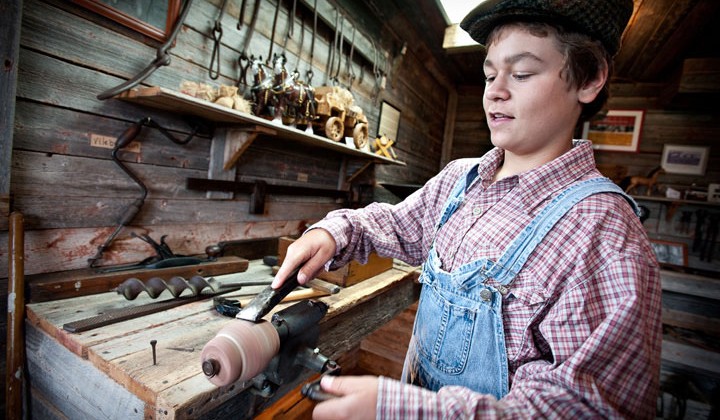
x: 302, y: 177
x: 107, y: 142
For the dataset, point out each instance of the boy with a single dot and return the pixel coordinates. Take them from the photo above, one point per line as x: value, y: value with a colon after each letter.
x: 541, y: 295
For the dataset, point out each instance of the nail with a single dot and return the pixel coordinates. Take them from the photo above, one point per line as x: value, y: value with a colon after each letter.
x: 153, y: 343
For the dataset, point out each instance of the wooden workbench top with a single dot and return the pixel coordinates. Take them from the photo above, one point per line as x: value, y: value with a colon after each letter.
x: 175, y: 387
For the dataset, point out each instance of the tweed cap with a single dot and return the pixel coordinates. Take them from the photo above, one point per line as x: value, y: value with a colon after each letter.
x: 604, y: 20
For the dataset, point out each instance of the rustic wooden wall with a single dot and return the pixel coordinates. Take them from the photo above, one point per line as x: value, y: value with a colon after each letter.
x: 72, y: 194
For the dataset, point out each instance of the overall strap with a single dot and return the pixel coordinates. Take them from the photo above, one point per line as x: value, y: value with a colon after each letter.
x: 517, y: 253
x: 456, y: 196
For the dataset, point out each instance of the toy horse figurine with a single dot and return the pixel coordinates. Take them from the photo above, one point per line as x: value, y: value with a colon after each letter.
x: 631, y: 182
x: 294, y: 100
x: 262, y: 88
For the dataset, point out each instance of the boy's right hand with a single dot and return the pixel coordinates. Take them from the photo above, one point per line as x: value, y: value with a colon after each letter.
x: 312, y: 250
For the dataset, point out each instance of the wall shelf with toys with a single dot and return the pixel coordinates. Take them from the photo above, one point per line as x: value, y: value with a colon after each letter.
x: 166, y: 99
x: 236, y: 130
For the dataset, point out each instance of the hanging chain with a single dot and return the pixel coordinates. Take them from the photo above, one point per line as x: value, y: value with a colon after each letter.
x: 244, y: 58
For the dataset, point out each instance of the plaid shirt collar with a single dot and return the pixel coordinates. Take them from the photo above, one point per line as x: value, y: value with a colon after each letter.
x: 542, y: 183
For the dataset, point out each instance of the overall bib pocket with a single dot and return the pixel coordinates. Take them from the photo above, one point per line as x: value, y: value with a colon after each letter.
x: 444, y: 331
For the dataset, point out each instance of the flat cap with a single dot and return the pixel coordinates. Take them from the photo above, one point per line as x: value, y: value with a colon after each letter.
x: 604, y: 20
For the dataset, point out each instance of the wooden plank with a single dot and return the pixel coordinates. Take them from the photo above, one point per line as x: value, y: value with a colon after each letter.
x: 700, y: 75
x: 37, y: 130
x: 700, y: 14
x: 216, y: 170
x: 102, y: 212
x: 10, y: 20
x: 699, y: 323
x: 691, y: 358
x: 690, y: 284
x: 449, y: 133
x: 74, y: 386
x: 68, y: 249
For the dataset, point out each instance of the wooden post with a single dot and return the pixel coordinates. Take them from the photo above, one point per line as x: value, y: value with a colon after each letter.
x: 10, y: 21
x: 15, y: 370
x: 449, y: 134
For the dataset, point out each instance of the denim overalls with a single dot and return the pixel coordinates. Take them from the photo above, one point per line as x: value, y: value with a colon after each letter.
x: 458, y: 337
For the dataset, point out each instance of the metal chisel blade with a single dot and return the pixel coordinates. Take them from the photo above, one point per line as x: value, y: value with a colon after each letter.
x: 266, y: 300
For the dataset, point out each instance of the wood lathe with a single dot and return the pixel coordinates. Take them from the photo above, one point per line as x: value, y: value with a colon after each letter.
x: 270, y: 353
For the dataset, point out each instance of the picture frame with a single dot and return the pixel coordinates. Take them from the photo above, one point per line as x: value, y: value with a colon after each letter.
x: 618, y: 130
x: 667, y: 252
x: 389, y: 121
x: 154, y: 19
x: 687, y: 160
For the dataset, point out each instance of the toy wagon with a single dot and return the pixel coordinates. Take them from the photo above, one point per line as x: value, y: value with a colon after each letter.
x: 337, y: 117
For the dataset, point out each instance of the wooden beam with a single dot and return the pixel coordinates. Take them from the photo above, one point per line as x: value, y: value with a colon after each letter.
x: 691, y: 357
x: 458, y: 41
x: 450, y: 118
x: 10, y: 20
x: 700, y: 75
x: 690, y: 284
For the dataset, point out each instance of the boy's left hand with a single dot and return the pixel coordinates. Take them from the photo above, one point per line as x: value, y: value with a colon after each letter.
x: 356, y: 398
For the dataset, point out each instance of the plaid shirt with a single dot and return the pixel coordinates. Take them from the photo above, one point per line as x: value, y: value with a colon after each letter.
x: 582, y: 322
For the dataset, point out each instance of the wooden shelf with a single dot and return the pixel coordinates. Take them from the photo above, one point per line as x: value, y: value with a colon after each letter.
x: 675, y: 201
x: 161, y: 98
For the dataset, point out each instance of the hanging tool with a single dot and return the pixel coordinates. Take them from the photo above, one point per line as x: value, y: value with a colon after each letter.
x: 244, y: 59
x: 164, y: 257
x: 379, y: 77
x: 296, y: 72
x: 217, y: 33
x: 270, y: 57
x: 162, y: 58
x: 341, y: 39
x: 349, y: 70
x: 154, y: 286
x: 333, y: 46
x: 133, y: 208
x: 309, y: 72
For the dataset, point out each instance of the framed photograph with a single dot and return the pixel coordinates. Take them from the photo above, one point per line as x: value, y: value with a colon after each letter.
x: 618, y: 130
x: 389, y: 121
x: 689, y: 160
x: 667, y: 252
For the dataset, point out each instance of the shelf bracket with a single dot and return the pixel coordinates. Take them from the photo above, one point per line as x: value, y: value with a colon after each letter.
x: 357, y: 173
x: 228, y: 144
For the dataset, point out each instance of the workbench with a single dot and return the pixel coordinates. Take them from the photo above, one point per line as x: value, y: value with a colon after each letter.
x: 108, y: 372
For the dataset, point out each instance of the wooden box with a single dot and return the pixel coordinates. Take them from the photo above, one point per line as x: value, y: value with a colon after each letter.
x: 350, y: 274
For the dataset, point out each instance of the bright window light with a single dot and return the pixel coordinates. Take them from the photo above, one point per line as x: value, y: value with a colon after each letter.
x: 456, y: 10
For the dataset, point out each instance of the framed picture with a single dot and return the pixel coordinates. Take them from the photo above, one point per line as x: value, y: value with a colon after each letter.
x: 618, y: 130
x: 670, y: 252
x: 154, y: 18
x: 689, y: 160
x: 389, y: 121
